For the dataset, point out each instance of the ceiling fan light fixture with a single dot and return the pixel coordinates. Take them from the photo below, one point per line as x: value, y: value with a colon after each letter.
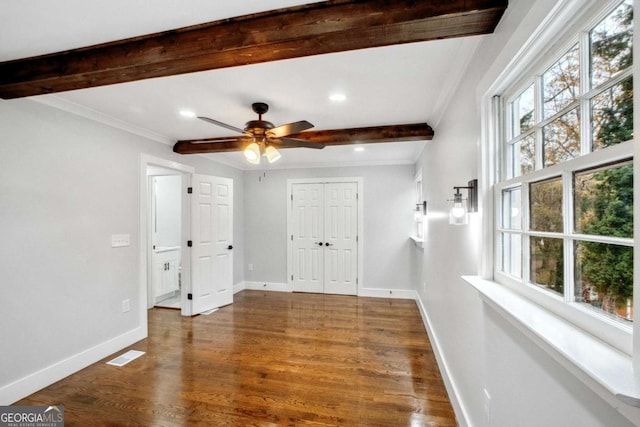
x: 252, y: 153
x: 272, y: 154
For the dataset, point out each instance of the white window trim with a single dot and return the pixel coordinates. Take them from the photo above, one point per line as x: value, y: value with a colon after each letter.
x: 613, y: 332
x: 618, y: 335
x: 615, y: 380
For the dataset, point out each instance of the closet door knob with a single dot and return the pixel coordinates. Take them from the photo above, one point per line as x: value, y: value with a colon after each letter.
x: 319, y: 243
x: 230, y: 247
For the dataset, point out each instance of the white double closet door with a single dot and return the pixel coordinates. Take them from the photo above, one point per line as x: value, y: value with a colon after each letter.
x: 324, y: 237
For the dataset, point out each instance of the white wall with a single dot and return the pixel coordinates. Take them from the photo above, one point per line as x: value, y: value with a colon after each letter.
x: 168, y: 204
x: 388, y: 222
x: 66, y: 185
x: 481, y: 349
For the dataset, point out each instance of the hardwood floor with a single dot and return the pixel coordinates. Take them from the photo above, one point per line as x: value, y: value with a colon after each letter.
x: 270, y: 359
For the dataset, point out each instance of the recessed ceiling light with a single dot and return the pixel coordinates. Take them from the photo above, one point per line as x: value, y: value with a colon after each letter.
x: 338, y: 97
x: 358, y: 149
x: 187, y: 113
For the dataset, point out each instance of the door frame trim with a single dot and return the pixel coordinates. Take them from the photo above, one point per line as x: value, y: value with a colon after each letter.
x: 143, y: 238
x: 360, y: 185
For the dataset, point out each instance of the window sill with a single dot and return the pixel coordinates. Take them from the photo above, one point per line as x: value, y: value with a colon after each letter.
x: 585, y: 356
x: 419, y: 242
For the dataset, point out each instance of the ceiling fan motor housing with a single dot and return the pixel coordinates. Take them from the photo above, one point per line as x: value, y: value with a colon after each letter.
x: 258, y: 127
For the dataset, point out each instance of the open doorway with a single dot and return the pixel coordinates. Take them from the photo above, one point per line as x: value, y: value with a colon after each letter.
x: 166, y: 255
x: 161, y: 279
x: 193, y: 272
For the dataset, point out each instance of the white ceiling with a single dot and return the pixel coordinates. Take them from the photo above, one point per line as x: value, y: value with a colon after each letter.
x: 384, y: 86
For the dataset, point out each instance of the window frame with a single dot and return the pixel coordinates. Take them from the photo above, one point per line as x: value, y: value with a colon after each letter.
x: 500, y: 129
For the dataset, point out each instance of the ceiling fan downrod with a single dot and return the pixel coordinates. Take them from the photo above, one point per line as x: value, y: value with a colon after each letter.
x: 258, y: 127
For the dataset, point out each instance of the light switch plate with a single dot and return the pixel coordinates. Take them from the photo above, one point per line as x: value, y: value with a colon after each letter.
x: 119, y: 240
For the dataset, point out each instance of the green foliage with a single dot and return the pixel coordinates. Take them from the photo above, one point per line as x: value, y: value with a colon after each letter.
x: 614, y: 122
x: 546, y: 205
x: 609, y: 208
x: 607, y: 202
x: 609, y: 268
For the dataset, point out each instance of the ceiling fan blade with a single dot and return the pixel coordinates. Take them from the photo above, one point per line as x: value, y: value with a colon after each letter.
x: 294, y: 143
x: 289, y: 128
x: 224, y: 125
x: 238, y: 140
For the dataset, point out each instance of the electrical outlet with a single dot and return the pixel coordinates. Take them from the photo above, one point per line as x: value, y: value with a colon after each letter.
x: 120, y: 240
x: 126, y: 305
x: 487, y: 406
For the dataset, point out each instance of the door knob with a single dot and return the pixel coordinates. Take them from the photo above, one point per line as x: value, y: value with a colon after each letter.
x: 230, y: 247
x: 319, y: 243
x: 328, y: 244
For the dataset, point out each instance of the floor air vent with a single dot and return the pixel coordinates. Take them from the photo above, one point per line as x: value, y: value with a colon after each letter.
x: 125, y: 358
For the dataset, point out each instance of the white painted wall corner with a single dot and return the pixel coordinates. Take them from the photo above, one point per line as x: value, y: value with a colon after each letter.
x: 237, y: 287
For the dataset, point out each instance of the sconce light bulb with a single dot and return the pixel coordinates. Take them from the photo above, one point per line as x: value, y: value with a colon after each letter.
x: 458, y: 210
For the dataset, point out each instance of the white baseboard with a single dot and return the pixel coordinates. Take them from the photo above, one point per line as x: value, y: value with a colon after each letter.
x: 363, y: 292
x: 387, y: 293
x: 458, y: 406
x: 268, y: 286
x: 25, y: 386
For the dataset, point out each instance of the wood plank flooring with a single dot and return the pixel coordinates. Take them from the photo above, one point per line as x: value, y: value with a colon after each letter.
x: 270, y: 359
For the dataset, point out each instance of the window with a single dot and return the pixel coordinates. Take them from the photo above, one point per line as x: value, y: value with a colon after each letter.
x: 564, y: 228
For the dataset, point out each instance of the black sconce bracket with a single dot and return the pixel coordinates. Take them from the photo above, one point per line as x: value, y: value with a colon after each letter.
x: 472, y: 197
x: 422, y: 207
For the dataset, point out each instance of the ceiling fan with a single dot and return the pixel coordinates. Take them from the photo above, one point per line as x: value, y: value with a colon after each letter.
x: 261, y: 138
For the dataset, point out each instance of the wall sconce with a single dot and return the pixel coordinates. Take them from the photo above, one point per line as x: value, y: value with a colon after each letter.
x: 459, y: 213
x: 422, y: 207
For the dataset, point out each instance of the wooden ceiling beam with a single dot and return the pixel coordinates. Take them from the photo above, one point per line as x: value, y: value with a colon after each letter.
x: 312, y: 29
x: 364, y: 135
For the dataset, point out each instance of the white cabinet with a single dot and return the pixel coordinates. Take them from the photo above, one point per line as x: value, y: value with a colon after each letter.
x: 166, y: 262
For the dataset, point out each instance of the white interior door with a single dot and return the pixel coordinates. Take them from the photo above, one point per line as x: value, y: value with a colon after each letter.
x: 324, y: 237
x: 223, y: 238
x: 307, y: 226
x: 340, y: 238
x: 211, y: 254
